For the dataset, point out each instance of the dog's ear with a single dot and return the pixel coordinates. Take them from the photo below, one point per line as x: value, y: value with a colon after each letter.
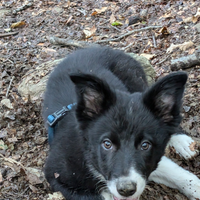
x: 94, y: 96
x: 164, y: 98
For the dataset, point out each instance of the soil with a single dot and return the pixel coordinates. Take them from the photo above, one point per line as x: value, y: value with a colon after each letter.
x: 23, y: 138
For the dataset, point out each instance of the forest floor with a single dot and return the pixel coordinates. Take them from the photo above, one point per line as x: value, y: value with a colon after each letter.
x: 23, y: 138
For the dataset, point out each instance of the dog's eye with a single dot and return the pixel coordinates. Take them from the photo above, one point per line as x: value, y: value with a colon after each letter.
x: 145, y: 146
x: 107, y: 144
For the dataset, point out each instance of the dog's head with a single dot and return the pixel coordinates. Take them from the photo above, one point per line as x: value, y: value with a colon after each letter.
x: 126, y: 134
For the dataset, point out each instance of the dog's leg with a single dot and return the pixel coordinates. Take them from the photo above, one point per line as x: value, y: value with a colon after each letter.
x: 174, y: 176
x: 184, y: 145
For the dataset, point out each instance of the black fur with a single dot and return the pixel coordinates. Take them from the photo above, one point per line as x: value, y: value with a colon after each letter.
x: 115, y: 103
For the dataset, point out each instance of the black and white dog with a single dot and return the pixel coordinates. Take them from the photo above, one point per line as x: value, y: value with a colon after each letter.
x: 108, y: 130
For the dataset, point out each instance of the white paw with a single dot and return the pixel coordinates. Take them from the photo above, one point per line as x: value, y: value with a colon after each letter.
x: 174, y: 176
x: 192, y: 190
x: 184, y: 145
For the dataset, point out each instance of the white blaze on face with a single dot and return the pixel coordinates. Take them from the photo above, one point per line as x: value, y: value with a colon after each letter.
x: 133, y: 176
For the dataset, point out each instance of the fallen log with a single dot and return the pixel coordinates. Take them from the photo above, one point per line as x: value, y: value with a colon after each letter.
x: 186, y: 61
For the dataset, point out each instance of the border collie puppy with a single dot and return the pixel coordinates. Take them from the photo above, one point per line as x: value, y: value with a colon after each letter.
x: 111, y: 129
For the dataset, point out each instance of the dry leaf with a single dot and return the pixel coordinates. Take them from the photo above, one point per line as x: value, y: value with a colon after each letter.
x: 18, y: 24
x: 182, y: 47
x: 196, y: 17
x: 164, y: 31
x: 33, y: 188
x: 186, y: 45
x: 34, y: 176
x: 40, y: 44
x: 56, y: 175
x: 55, y: 196
x: 7, y: 103
x: 148, y: 56
x: 94, y: 13
x: 188, y: 19
x: 89, y: 32
x: 13, y: 139
x: 112, y: 19
x: 99, y: 11
x: 167, y: 16
x: 192, y: 146
x: 191, y: 51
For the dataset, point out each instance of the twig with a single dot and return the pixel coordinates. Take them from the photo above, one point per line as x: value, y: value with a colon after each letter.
x: 22, y: 8
x: 128, y: 46
x: 82, y: 11
x: 10, y: 160
x: 154, y: 40
x: 162, y: 61
x: 116, y: 28
x: 66, y: 42
x: 9, y: 86
x: 8, y: 34
x: 127, y: 34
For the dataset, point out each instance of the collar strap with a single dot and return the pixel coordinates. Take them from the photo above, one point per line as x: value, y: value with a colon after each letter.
x: 53, y: 119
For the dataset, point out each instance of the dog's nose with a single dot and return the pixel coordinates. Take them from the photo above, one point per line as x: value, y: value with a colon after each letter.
x: 126, y: 188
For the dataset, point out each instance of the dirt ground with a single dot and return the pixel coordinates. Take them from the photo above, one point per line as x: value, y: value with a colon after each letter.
x: 23, y: 139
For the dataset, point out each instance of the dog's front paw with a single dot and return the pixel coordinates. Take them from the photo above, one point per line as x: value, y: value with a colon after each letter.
x: 184, y: 145
x: 192, y: 190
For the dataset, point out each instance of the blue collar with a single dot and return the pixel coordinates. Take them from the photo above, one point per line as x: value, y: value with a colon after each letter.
x: 53, y: 119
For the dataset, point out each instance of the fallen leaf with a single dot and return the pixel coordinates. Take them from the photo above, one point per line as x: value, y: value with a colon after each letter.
x: 55, y: 196
x: 196, y: 17
x: 7, y: 103
x: 13, y: 139
x: 2, y: 145
x: 56, y: 175
x: 18, y: 24
x: 164, y: 31
x: 33, y: 188
x: 89, y: 32
x: 188, y: 19
x: 148, y: 56
x: 191, y: 51
x: 99, y: 11
x: 3, y: 133
x: 182, y: 47
x: 112, y: 18
x: 186, y: 45
x: 7, y: 29
x: 198, y: 13
x: 192, y: 146
x: 34, y: 176
x: 166, y: 16
x: 94, y: 13
x: 116, y: 23
x: 40, y: 44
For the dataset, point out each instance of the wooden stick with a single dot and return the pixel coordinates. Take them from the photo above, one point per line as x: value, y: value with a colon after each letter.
x: 129, y: 33
x: 23, y: 7
x: 186, y: 61
x: 9, y: 86
x: 8, y: 34
x: 66, y: 42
